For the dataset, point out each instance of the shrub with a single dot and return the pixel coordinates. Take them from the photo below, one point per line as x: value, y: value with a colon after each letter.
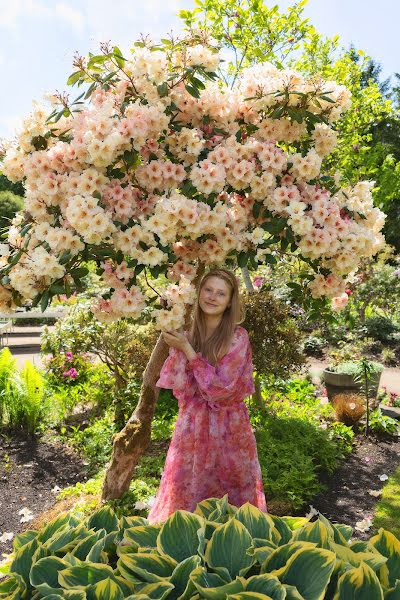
x: 274, y: 335
x: 380, y: 328
x: 10, y: 204
x: 380, y: 423
x: 349, y: 408
x: 22, y: 399
x: 389, y: 357
x: 313, y: 346
x: 218, y: 551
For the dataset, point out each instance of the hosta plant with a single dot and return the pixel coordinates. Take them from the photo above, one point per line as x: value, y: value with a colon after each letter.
x: 217, y: 552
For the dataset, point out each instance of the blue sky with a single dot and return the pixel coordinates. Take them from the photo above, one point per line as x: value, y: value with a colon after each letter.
x: 39, y: 37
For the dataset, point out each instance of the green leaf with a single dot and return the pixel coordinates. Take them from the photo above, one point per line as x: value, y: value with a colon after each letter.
x: 257, y: 523
x: 158, y: 590
x: 105, y: 518
x: 13, y: 588
x: 266, y: 584
x: 228, y: 548
x: 359, y: 584
x: 388, y: 545
x: 147, y: 567
x: 72, y: 79
x: 45, y: 300
x: 24, y: 538
x: 162, y: 89
x: 118, y: 57
x: 178, y: 536
x: 44, y: 574
x: 309, y: 570
x: 180, y: 577
x: 23, y: 560
x: 192, y: 91
x: 84, y: 575
x: 212, y: 587
x: 144, y: 536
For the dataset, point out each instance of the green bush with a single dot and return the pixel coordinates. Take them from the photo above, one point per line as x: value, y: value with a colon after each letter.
x: 274, y: 335
x: 10, y: 204
x: 297, y: 440
x: 314, y: 346
x: 22, y: 399
x: 380, y: 328
x: 217, y: 552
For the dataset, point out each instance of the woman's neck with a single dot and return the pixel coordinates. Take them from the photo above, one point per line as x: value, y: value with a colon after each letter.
x: 211, y: 324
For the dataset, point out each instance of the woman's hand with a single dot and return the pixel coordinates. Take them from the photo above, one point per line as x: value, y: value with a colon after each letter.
x: 176, y: 339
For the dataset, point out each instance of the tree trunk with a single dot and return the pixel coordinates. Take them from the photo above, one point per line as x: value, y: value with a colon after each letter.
x: 131, y: 442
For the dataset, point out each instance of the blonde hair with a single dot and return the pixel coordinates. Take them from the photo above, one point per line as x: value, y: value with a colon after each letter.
x: 217, y: 345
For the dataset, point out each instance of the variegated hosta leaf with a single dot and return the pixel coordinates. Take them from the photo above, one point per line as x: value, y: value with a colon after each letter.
x: 295, y: 522
x: 57, y: 524
x: 143, y: 536
x: 212, y: 587
x: 248, y: 596
x: 360, y: 583
x: 261, y: 553
x: 83, y: 548
x: 279, y: 557
x: 257, y: 523
x: 309, y: 570
x: 65, y: 539
x: 178, y: 536
x: 69, y: 595
x: 107, y: 589
x: 44, y: 574
x: 316, y: 532
x: 228, y: 548
x: 13, y: 587
x: 212, y: 508
x: 147, y: 567
x: 282, y: 531
x: 266, y: 584
x: 84, y: 575
x: 393, y: 593
x: 158, y: 590
x: 134, y: 521
x: 23, y: 560
x: 388, y: 545
x: 180, y: 577
x: 105, y: 518
x: 354, y: 559
x: 24, y: 538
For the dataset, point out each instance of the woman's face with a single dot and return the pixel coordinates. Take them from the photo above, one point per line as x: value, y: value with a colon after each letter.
x: 215, y: 295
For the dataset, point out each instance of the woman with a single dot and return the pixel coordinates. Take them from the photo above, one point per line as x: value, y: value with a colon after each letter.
x: 213, y: 450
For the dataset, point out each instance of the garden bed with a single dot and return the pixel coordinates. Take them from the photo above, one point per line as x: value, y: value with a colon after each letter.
x: 30, y: 468
x: 348, y: 498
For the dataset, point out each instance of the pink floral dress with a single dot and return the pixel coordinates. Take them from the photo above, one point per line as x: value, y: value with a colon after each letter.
x: 213, y: 450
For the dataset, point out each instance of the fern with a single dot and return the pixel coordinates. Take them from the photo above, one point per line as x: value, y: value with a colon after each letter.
x: 8, y: 368
x: 32, y: 397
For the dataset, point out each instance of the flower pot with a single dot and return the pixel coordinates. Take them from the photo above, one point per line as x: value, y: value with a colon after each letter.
x: 342, y: 383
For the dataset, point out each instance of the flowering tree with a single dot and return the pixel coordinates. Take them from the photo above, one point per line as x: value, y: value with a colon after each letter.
x: 169, y: 170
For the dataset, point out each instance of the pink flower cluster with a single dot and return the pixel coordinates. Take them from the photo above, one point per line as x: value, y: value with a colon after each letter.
x: 168, y: 178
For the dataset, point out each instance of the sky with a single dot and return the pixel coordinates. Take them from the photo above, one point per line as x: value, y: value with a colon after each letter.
x: 38, y: 38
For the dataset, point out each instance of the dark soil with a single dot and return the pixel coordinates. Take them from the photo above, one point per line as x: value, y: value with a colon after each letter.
x: 29, y: 469
x: 347, y: 499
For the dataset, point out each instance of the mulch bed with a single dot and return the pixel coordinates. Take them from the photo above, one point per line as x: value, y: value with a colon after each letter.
x: 347, y: 499
x: 29, y: 469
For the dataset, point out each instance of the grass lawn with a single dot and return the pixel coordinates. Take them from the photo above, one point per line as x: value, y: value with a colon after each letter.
x: 387, y: 513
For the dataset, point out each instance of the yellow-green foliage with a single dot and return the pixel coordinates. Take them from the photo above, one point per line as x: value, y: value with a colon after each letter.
x: 21, y: 394
x: 387, y: 512
x: 217, y: 552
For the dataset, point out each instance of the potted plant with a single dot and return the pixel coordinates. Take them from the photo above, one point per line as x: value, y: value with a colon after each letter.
x: 345, y: 378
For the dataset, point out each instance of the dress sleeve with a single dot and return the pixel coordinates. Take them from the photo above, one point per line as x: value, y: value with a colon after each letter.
x: 233, y: 377
x: 173, y: 372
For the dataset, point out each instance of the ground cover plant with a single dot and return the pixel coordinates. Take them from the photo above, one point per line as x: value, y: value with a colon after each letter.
x: 218, y: 551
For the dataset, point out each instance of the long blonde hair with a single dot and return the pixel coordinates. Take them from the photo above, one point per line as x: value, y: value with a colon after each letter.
x: 217, y: 345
